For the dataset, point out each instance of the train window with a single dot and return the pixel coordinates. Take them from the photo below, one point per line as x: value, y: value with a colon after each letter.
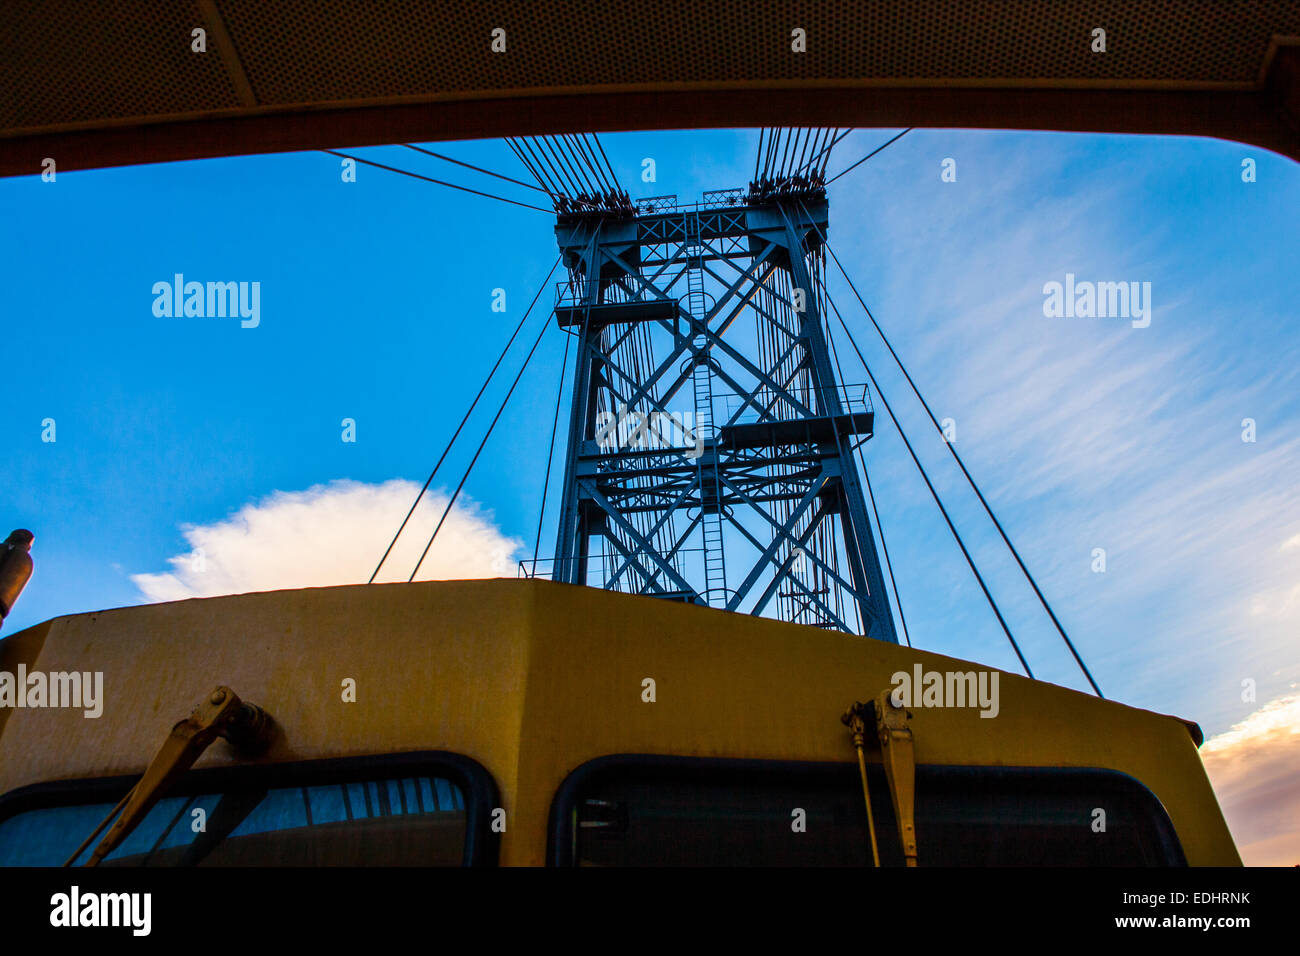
x: 369, y: 812
x: 649, y: 811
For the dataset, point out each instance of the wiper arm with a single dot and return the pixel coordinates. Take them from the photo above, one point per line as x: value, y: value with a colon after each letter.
x: 897, y: 754
x: 222, y: 714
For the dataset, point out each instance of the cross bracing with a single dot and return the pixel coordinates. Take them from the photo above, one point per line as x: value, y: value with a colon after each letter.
x: 633, y: 490
x: 710, y: 441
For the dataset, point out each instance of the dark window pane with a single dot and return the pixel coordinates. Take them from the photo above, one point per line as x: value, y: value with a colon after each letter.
x: 329, y: 825
x: 328, y: 804
x: 740, y: 813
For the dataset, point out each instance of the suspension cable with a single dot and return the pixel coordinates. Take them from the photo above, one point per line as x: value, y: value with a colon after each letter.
x: 505, y: 401
x: 472, y: 405
x: 534, y: 166
x: 578, y: 164
x: 969, y: 479
x: 933, y: 493
x: 608, y: 181
x: 889, y: 565
x: 477, y: 169
x: 563, y: 160
x: 550, y: 454
x: 439, y: 182
x: 803, y: 150
x: 519, y: 153
x: 815, y: 142
x: 566, y: 167
x: 766, y: 149
x: 785, y: 151
x: 823, y: 402
x: 825, y: 153
x: 557, y: 182
x: 608, y: 165
x: 869, y: 155
x: 580, y: 148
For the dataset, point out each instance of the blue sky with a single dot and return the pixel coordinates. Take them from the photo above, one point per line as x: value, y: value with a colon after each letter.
x: 376, y: 306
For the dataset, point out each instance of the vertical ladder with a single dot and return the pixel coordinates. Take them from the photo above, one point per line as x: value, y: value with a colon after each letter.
x: 715, y: 568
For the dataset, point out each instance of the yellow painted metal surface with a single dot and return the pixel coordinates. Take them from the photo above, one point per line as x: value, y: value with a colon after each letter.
x: 532, y: 679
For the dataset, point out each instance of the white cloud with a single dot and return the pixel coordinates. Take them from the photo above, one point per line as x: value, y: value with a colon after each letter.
x: 1255, y: 769
x: 332, y: 534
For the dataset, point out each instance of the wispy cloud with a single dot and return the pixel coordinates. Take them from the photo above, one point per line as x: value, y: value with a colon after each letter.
x: 1255, y: 769
x: 331, y: 534
x: 1088, y: 433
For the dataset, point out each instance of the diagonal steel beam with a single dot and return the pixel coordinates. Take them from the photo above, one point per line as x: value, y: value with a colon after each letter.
x: 646, y: 547
x: 767, y: 552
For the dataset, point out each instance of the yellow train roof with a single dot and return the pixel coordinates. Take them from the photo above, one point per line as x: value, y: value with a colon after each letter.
x: 532, y: 679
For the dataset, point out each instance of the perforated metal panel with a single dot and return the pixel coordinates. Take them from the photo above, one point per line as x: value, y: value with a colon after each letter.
x: 64, y: 63
x: 111, y: 60
x: 365, y: 51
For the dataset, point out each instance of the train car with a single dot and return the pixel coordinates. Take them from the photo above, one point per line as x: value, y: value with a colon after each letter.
x: 528, y: 722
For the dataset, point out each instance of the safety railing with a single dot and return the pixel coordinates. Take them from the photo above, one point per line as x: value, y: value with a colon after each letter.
x: 574, y: 292
x: 853, y: 399
x: 544, y: 568
x: 650, y: 205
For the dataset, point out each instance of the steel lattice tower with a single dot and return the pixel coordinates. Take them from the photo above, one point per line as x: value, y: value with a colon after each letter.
x: 710, y: 453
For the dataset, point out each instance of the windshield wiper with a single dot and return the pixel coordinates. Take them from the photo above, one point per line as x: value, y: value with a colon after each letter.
x: 890, y: 723
x: 222, y: 714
